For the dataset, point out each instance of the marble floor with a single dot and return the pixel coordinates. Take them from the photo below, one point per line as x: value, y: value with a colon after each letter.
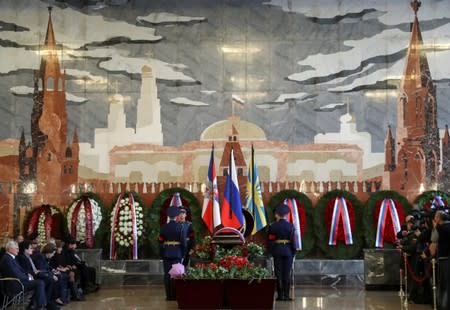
x: 152, y: 297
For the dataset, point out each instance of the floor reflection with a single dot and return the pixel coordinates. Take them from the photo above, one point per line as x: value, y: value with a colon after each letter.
x: 152, y: 297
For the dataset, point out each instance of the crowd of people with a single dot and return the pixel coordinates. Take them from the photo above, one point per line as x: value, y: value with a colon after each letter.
x: 51, y: 271
x: 425, y: 236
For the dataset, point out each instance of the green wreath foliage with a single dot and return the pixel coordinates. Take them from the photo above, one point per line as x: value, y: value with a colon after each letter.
x: 308, y: 239
x: 100, y: 230
x: 341, y: 250
x: 425, y: 198
x: 59, y: 230
x: 369, y: 227
x: 154, y: 216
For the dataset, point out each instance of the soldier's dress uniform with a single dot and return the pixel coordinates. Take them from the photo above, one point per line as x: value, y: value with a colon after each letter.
x: 190, y: 237
x: 280, y: 244
x: 172, y: 241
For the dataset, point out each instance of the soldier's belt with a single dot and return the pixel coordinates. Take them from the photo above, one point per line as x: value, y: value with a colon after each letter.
x: 171, y: 243
x: 282, y: 241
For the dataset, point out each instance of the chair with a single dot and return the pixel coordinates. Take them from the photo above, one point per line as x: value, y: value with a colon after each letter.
x: 12, y: 293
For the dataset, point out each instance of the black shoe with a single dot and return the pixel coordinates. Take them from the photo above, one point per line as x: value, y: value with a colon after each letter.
x: 279, y: 298
x: 78, y: 298
x: 286, y: 298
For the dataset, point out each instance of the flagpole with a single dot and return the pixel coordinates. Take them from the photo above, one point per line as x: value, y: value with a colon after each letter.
x: 213, y: 196
x: 231, y: 186
x: 253, y: 181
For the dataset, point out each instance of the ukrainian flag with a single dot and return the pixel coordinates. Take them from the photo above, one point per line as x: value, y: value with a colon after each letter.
x: 254, y: 202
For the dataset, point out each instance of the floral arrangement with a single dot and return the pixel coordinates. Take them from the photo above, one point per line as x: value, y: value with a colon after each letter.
x: 47, y: 221
x: 127, y: 226
x: 324, y: 225
x: 432, y: 200
x: 83, y: 219
x: 372, y: 220
x: 205, y: 250
x: 229, y: 267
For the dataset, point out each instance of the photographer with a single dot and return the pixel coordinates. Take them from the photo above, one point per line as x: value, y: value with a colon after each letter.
x: 442, y: 224
x: 415, y: 238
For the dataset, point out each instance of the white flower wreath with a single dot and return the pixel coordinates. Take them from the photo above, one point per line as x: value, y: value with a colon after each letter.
x: 123, y: 228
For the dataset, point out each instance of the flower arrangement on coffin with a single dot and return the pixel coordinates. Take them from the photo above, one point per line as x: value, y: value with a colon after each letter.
x: 229, y: 267
x: 84, y: 217
x: 207, y: 251
x: 47, y: 221
x: 384, y: 214
x: 127, y: 227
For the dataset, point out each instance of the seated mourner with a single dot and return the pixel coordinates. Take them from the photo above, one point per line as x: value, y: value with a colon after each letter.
x: 87, y: 274
x: 9, y: 267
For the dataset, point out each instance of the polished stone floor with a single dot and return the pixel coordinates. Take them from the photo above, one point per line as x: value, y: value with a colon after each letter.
x: 152, y: 297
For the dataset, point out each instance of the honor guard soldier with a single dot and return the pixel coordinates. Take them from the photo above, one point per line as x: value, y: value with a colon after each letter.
x: 172, y: 240
x: 189, y: 231
x: 280, y: 244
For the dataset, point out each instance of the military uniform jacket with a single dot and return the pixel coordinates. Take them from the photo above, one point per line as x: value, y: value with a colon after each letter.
x: 280, y: 239
x: 172, y: 240
x: 189, y: 232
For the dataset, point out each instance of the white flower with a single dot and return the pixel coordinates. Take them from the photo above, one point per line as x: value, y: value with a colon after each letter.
x: 121, y: 242
x: 136, y: 204
x: 139, y: 233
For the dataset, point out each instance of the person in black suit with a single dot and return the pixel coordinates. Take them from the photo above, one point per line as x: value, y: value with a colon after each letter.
x: 9, y: 267
x: 42, y: 262
x: 59, y: 262
x: 280, y: 244
x: 85, y: 273
x: 442, y: 225
x: 172, y: 241
x: 28, y: 262
x: 189, y: 231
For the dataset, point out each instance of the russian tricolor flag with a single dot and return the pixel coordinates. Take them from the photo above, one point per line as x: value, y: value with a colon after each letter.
x: 231, y: 213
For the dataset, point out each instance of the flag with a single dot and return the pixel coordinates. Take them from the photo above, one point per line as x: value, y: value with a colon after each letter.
x: 231, y: 213
x: 294, y: 218
x: 211, y: 208
x: 254, y: 202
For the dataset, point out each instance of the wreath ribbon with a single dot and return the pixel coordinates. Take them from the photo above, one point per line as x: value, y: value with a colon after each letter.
x: 112, y: 240
x: 294, y: 218
x: 47, y: 213
x: 340, y: 211
x: 89, y: 223
x: 134, y: 225
x: 437, y: 202
x: 387, y: 209
x: 74, y: 219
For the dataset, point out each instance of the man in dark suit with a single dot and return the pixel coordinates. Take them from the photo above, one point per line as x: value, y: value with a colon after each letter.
x: 172, y: 241
x: 280, y: 244
x: 85, y: 273
x: 189, y: 231
x: 442, y: 224
x: 10, y: 268
x: 25, y: 260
